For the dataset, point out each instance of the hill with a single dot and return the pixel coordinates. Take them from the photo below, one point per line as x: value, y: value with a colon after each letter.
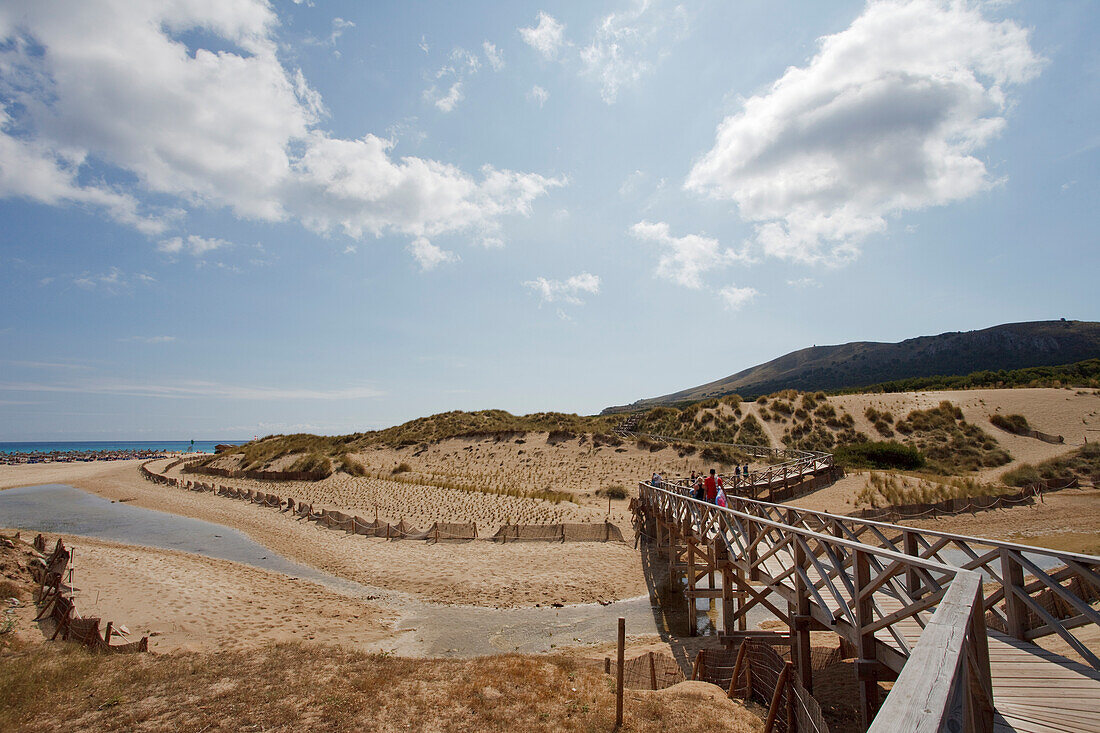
x: 863, y: 363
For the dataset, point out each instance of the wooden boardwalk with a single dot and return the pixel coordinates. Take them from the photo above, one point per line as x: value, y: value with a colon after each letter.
x: 911, y: 615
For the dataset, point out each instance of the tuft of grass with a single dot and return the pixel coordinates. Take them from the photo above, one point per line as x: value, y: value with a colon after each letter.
x: 315, y: 463
x: 752, y: 432
x: 9, y: 589
x: 1082, y: 463
x: 615, y: 491
x: 351, y: 466
x: 884, y: 489
x: 1011, y: 423
x: 401, y: 468
x: 880, y: 455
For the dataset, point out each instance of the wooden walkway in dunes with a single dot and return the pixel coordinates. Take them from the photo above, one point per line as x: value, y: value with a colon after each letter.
x: 951, y: 620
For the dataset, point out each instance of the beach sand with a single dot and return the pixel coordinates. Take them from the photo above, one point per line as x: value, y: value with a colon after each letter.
x: 190, y: 602
x: 478, y: 573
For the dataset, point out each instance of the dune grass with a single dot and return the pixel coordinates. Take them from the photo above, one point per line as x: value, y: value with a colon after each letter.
x: 1083, y: 463
x: 292, y: 687
x: 951, y: 445
x: 885, y: 489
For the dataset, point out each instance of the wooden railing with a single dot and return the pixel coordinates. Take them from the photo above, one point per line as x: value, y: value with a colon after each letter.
x: 1029, y: 592
x: 797, y: 463
x: 876, y: 597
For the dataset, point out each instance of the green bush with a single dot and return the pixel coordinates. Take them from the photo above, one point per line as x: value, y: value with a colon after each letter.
x: 315, y: 463
x: 615, y: 491
x: 351, y: 466
x: 752, y: 432
x: 1011, y: 423
x: 881, y: 455
x: 1023, y: 475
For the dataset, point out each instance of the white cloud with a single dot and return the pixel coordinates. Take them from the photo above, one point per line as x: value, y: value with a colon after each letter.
x: 193, y: 244
x: 231, y: 128
x: 804, y: 282
x: 113, y: 281
x: 494, y: 56
x: 567, y: 291
x: 885, y: 118
x: 538, y: 95
x: 448, y: 101
x: 622, y: 50
x: 735, y: 297
x: 685, y: 259
x: 546, y: 37
x: 150, y: 339
x: 461, y: 64
x: 423, y: 45
x: 36, y: 171
x: 339, y: 25
x: 428, y: 255
x: 631, y: 183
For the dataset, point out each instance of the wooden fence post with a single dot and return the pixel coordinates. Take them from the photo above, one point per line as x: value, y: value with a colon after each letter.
x: 737, y: 669
x: 1012, y: 579
x: 865, y: 665
x: 773, y: 707
x: 652, y: 672
x: 619, y: 675
x: 909, y: 547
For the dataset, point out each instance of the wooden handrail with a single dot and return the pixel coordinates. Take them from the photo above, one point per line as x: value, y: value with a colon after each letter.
x: 856, y: 575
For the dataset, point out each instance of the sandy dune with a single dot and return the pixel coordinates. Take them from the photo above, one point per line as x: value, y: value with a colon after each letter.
x: 1066, y: 412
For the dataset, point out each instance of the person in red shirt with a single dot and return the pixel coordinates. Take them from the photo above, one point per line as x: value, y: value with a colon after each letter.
x: 710, y: 487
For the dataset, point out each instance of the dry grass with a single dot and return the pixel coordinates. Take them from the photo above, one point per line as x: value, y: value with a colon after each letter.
x: 884, y: 489
x: 1084, y: 463
x: 291, y: 687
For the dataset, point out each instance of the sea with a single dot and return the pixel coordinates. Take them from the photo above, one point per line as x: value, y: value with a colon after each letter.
x: 84, y: 446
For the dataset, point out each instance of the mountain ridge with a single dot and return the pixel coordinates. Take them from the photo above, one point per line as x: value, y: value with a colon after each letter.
x: 865, y: 363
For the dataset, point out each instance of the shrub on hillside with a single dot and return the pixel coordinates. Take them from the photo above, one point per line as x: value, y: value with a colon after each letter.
x: 351, y: 466
x: 880, y: 454
x: 1083, y: 463
x: 315, y: 463
x: 1011, y: 423
x: 615, y: 491
x: 752, y: 432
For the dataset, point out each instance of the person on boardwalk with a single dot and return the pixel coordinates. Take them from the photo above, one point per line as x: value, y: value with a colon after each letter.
x: 697, y: 486
x: 710, y: 486
x: 745, y: 472
x: 657, y: 480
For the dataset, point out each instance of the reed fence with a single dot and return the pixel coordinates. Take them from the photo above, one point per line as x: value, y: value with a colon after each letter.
x: 437, y: 532
x: 56, y: 604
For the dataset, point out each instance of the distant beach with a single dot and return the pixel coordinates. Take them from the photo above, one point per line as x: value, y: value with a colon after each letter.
x: 111, y: 446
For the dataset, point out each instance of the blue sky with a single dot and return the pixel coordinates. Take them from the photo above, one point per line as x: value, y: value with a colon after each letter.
x: 226, y: 219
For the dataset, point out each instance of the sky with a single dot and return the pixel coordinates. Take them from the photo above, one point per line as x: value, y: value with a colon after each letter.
x: 236, y: 218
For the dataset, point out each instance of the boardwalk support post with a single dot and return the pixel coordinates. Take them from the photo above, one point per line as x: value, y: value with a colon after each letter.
x: 866, y: 665
x: 619, y: 674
